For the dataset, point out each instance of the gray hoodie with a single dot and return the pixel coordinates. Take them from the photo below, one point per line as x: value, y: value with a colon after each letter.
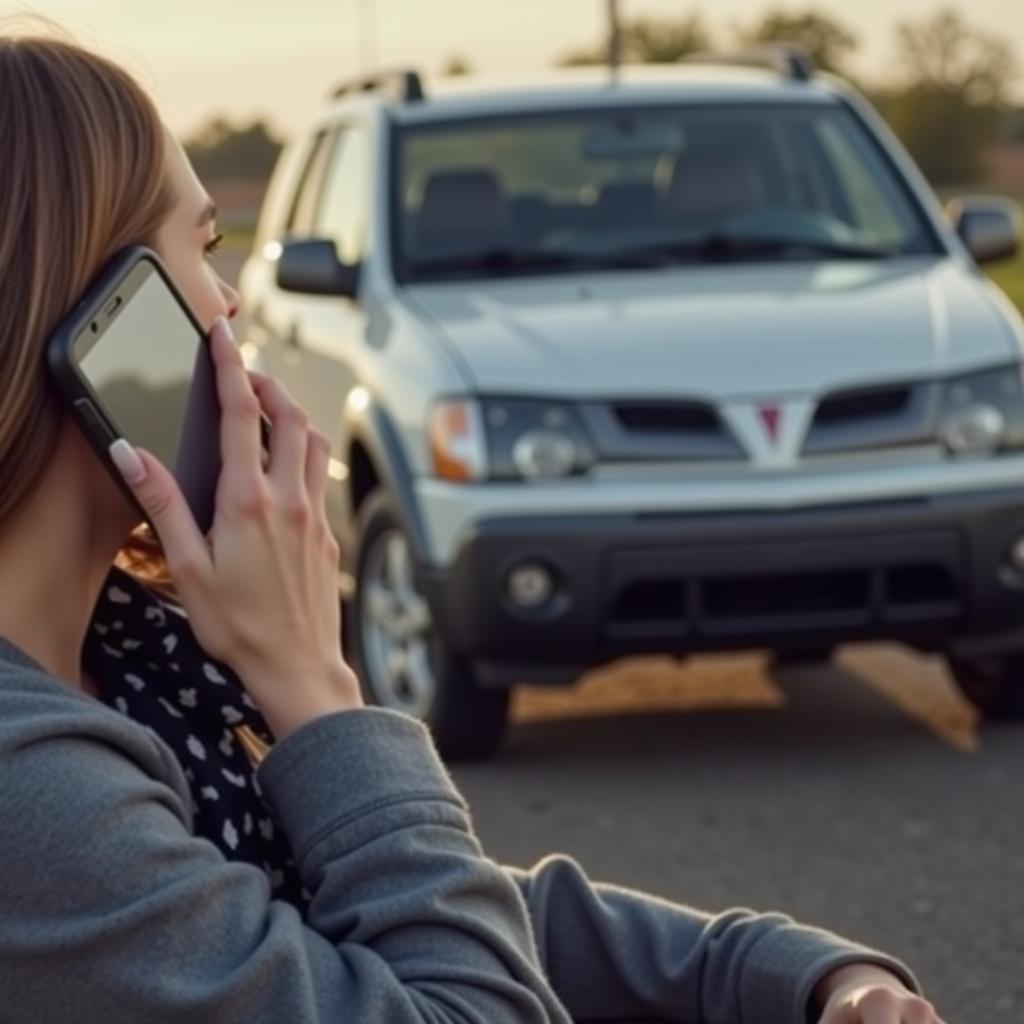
x: 112, y: 910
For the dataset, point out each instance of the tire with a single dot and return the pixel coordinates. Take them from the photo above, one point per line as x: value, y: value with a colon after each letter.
x: 402, y: 662
x: 995, y: 686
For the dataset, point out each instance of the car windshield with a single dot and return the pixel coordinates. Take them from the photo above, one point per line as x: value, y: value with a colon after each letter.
x: 626, y: 188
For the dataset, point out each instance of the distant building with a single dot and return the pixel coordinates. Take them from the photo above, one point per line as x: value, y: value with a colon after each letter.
x: 1004, y: 166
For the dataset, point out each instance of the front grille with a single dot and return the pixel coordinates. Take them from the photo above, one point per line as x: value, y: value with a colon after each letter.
x: 793, y: 601
x: 666, y: 417
x: 798, y: 594
x: 868, y: 404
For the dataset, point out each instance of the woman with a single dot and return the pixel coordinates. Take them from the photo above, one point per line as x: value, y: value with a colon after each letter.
x: 115, y: 905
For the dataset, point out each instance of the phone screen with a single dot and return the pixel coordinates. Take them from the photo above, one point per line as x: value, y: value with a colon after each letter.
x: 152, y: 371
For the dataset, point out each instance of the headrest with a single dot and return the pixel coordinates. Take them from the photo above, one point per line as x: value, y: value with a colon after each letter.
x: 462, y: 202
x: 710, y: 184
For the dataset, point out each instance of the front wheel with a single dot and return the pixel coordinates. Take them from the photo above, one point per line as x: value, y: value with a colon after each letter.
x: 402, y: 661
x: 995, y: 686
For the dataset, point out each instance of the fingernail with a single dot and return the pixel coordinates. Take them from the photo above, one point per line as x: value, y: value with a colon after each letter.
x: 128, y: 462
x: 225, y: 326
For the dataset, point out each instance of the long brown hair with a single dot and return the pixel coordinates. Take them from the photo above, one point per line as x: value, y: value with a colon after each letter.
x: 82, y: 175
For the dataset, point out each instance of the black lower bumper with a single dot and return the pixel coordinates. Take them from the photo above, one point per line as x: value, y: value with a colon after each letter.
x: 934, y: 573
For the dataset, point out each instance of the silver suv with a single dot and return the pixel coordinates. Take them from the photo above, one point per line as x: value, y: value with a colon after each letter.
x: 683, y: 361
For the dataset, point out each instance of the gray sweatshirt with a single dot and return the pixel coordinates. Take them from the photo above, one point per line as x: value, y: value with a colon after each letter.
x: 112, y: 910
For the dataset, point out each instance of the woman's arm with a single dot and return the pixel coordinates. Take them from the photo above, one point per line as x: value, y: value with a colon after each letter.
x: 110, y: 909
x: 615, y: 954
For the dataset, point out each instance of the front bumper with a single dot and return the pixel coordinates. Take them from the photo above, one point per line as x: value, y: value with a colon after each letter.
x: 930, y: 571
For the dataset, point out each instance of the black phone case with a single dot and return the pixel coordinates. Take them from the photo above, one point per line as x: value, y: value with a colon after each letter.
x: 198, y: 467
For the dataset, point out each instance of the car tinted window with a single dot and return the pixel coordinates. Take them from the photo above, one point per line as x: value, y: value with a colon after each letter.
x: 341, y: 215
x: 307, y: 196
x: 609, y: 182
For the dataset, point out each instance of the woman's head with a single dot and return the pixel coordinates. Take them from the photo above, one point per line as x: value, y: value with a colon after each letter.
x: 89, y: 168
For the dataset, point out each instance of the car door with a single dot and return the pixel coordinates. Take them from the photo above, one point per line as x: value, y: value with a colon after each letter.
x: 327, y: 330
x: 273, y: 315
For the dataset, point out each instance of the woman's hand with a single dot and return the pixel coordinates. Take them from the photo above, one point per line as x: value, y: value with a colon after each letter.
x: 865, y: 994
x: 261, y: 590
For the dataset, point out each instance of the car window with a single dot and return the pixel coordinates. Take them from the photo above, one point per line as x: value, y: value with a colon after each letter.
x: 341, y: 215
x: 870, y: 199
x: 516, y: 194
x: 307, y: 196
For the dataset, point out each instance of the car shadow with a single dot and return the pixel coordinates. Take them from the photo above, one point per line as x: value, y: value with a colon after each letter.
x: 822, y: 711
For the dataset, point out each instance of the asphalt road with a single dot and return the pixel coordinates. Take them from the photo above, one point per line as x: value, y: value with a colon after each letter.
x: 860, y: 796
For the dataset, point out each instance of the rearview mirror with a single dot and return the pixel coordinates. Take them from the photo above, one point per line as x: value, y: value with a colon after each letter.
x: 311, y: 266
x: 990, y: 226
x: 630, y: 138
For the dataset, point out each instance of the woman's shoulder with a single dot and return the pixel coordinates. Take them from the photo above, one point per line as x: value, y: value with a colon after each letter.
x: 50, y: 731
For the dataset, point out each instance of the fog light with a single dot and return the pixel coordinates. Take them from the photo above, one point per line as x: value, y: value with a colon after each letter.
x: 976, y: 430
x: 530, y: 585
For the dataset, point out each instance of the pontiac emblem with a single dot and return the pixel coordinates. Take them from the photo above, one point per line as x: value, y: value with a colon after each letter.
x: 771, y: 417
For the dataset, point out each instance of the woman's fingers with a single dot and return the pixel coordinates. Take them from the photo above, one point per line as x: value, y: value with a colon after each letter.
x: 158, y: 493
x: 240, y: 413
x: 299, y: 456
x: 289, y: 435
x: 261, y: 591
x: 318, y: 458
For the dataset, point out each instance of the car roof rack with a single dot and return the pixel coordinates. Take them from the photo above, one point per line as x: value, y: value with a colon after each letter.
x: 402, y: 84
x: 791, y: 61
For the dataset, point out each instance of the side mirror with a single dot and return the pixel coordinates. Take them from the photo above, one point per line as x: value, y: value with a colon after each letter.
x: 311, y: 266
x: 990, y: 226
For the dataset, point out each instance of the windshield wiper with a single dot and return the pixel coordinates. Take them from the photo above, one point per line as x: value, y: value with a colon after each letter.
x: 724, y: 247
x: 524, y: 261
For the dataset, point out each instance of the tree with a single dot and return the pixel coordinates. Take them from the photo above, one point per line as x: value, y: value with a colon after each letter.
x: 826, y: 40
x: 651, y: 41
x: 944, y: 54
x: 1013, y: 127
x: 664, y: 40
x: 221, y: 150
x: 950, y: 98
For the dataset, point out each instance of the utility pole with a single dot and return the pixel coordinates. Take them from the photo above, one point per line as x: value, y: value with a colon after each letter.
x: 614, y: 38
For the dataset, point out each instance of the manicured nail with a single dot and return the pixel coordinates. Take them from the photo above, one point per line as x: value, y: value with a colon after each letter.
x: 127, y: 460
x: 225, y: 326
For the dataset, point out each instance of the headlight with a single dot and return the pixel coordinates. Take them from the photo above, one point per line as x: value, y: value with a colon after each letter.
x: 508, y: 439
x: 983, y: 413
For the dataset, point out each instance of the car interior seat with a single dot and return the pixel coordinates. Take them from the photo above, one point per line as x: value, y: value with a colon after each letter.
x: 709, y: 185
x: 461, y: 210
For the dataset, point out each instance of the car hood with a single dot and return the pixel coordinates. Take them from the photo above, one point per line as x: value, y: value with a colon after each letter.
x: 722, y: 331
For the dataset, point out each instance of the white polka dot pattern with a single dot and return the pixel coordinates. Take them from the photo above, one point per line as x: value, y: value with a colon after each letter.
x: 193, y: 704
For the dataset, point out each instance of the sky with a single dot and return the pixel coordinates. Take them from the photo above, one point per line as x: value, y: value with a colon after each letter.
x: 276, y: 58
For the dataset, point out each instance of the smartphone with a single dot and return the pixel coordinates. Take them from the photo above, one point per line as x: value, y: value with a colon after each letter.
x: 131, y: 360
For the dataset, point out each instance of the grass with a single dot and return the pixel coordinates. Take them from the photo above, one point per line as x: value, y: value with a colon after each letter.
x: 239, y: 237
x: 1010, y: 277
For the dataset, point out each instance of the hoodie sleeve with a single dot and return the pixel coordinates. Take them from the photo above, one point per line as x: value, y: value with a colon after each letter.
x: 111, y: 909
x: 611, y: 953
